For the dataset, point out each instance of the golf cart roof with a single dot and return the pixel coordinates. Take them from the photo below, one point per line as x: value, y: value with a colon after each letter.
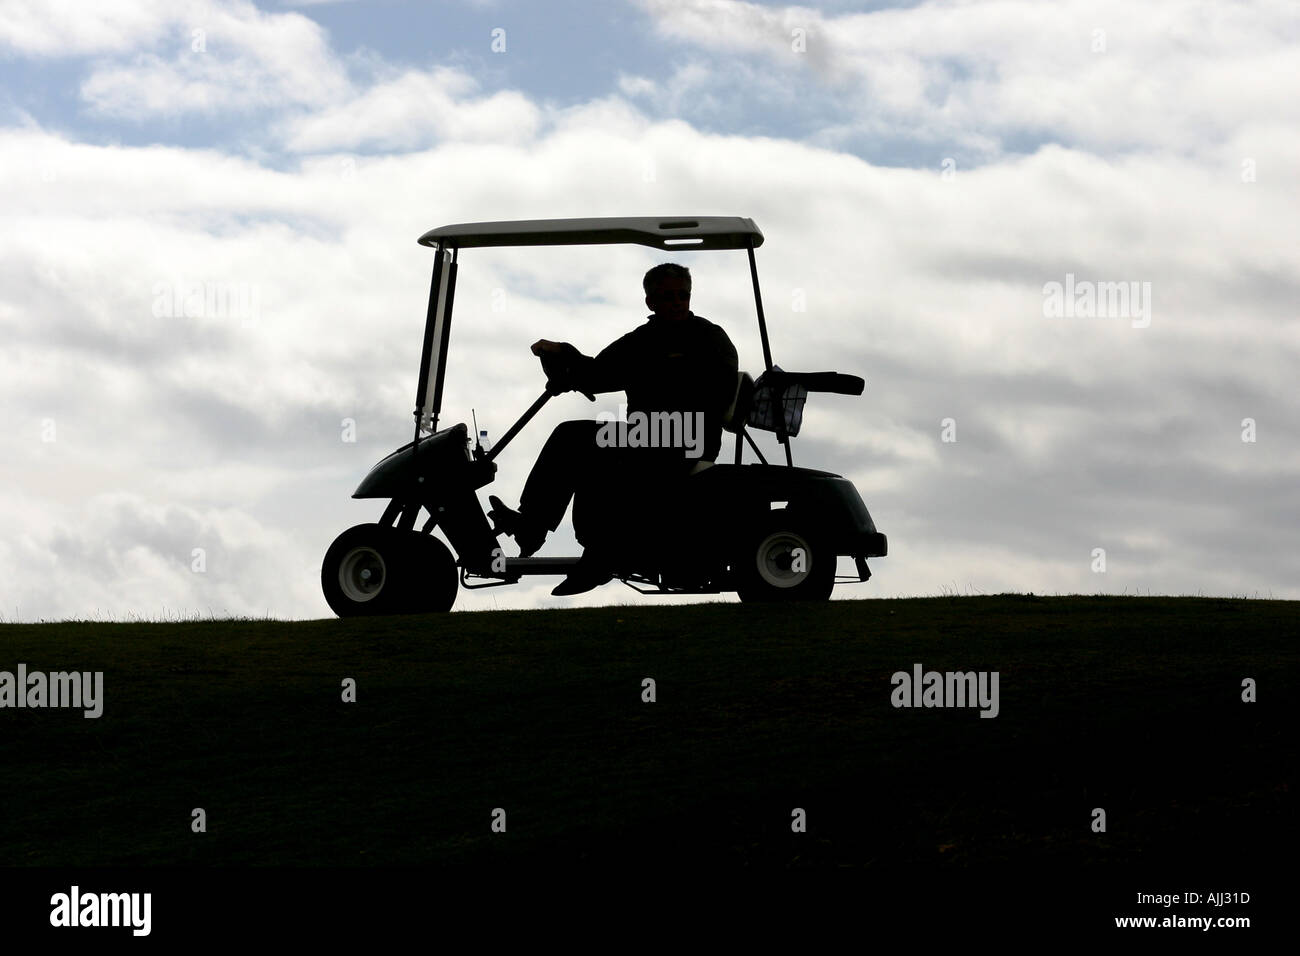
x: 701, y: 232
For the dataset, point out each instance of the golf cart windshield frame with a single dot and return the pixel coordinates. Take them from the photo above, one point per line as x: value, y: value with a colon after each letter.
x: 680, y: 233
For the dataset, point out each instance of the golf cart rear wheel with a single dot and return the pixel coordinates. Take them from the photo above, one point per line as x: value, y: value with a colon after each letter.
x: 784, y: 559
x: 374, y: 569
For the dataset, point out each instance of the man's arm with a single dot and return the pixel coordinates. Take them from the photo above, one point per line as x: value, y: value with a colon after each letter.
x: 610, y: 371
x: 707, y: 369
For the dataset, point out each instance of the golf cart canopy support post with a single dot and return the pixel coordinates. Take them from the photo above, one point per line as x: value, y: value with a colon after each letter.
x: 758, y: 304
x: 437, y: 329
x: 781, y: 436
x: 442, y: 343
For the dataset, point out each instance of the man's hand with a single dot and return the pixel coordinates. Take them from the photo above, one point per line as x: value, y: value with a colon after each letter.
x: 558, y: 359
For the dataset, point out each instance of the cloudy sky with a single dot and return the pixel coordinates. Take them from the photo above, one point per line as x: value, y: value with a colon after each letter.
x: 943, y: 187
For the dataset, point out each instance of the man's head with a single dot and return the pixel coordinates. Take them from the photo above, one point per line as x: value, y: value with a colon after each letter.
x: 668, y: 291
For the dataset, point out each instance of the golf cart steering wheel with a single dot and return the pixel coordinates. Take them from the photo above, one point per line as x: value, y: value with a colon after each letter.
x: 559, y: 371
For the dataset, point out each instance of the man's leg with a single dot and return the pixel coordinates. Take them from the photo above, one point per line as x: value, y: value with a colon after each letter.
x: 618, y: 509
x: 560, y: 469
x: 567, y: 462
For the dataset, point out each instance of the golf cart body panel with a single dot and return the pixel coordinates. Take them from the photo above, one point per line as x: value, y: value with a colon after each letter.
x: 439, y: 475
x: 702, y: 232
x: 831, y: 504
x: 765, y: 531
x: 442, y: 458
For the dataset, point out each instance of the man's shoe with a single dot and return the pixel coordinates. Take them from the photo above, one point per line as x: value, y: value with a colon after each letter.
x: 588, y: 575
x: 527, y: 535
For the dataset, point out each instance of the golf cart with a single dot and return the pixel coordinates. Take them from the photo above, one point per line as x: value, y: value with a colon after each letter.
x: 769, y: 532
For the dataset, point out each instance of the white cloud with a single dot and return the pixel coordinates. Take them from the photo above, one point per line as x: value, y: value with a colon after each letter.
x: 74, y: 28
x: 121, y: 555
x: 981, y: 75
x: 415, y: 109
x: 163, y: 58
x: 636, y: 85
x: 230, y: 57
x: 233, y: 59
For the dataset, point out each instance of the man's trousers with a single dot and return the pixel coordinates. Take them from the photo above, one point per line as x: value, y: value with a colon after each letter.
x: 612, y: 489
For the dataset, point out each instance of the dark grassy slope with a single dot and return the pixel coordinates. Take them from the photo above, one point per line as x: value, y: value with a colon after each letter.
x: 1123, y: 703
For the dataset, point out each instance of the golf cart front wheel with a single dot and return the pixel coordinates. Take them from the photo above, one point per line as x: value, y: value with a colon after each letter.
x: 784, y: 560
x: 374, y: 569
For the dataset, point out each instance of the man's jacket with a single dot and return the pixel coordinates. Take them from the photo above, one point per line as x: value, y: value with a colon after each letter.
x: 668, y: 365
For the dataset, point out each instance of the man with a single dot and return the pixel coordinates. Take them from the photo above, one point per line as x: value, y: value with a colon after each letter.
x: 677, y: 363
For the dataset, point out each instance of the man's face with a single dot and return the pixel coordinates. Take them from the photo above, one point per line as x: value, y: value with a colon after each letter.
x: 671, y: 299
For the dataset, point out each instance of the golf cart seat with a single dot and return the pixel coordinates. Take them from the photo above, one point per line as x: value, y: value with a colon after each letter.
x: 733, y: 419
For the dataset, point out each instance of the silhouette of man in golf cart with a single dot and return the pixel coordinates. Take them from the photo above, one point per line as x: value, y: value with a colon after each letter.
x: 679, y: 371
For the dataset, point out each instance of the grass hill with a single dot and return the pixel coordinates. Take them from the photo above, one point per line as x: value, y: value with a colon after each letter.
x: 1131, y: 705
